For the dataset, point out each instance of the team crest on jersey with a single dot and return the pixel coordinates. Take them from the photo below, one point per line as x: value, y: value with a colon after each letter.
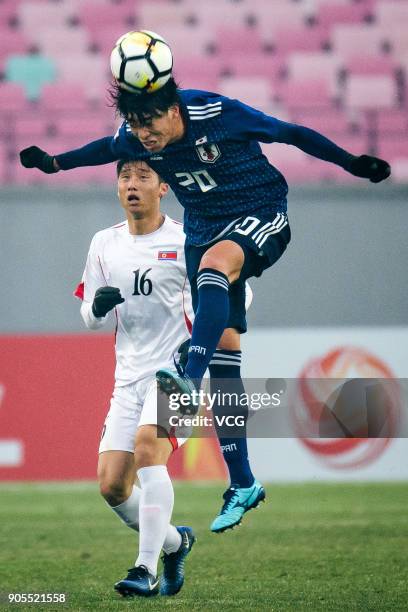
x: 208, y: 153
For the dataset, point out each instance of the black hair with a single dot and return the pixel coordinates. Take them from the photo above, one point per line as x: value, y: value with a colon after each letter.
x: 144, y: 105
x: 123, y: 162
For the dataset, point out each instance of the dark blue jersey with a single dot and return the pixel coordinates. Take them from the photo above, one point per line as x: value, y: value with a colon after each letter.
x: 217, y: 170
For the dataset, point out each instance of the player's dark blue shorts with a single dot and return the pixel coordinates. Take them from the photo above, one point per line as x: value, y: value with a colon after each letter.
x: 263, y: 241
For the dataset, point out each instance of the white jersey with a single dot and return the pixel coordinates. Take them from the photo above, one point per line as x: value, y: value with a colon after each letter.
x: 150, y: 272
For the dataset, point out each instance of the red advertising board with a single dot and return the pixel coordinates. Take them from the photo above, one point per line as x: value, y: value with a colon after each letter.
x: 54, y: 395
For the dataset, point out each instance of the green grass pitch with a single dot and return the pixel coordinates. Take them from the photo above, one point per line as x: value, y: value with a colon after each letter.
x: 310, y: 547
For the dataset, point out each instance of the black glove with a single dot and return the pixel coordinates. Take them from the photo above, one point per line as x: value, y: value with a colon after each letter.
x: 105, y: 299
x: 375, y: 169
x: 34, y: 157
x: 183, y: 352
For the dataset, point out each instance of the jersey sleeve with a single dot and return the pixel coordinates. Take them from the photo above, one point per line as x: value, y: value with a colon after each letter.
x: 92, y: 278
x: 103, y: 151
x: 246, y: 123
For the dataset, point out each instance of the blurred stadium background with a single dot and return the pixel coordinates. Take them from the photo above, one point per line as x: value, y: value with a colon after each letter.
x: 334, y: 306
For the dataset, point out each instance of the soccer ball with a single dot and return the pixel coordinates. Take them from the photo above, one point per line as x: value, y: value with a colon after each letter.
x: 141, y: 61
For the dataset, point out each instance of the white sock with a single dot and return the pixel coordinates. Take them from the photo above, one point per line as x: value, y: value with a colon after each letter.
x: 155, y: 508
x: 128, y: 512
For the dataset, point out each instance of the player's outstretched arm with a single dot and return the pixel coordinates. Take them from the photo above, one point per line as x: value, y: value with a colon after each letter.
x: 313, y: 143
x: 95, y: 153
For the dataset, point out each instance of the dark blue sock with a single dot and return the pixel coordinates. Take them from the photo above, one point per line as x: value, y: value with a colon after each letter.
x: 210, y: 321
x: 225, y: 372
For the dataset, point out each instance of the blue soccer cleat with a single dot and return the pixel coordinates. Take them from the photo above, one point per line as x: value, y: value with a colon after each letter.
x: 175, y: 382
x: 172, y: 578
x: 237, y: 501
x: 139, y: 581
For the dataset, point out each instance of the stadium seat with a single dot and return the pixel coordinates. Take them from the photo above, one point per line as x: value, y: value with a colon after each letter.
x: 104, y: 38
x: 93, y: 15
x: 87, y: 127
x: 400, y: 170
x: 162, y: 14
x: 60, y: 42
x: 333, y: 13
x: 299, y: 38
x: 325, y: 66
x: 255, y: 91
x: 392, y: 147
x: 35, y: 16
x: 305, y: 94
x: 91, y: 70
x: 228, y: 41
x: 365, y: 92
x: 209, y: 15
x: 328, y: 121
x: 12, y: 42
x: 392, y: 13
x: 389, y: 122
x: 397, y: 40
x: 3, y: 163
x: 12, y: 98
x: 64, y: 97
x: 271, y: 17
x: 353, y: 40
x: 182, y: 38
x: 258, y: 64
x: 370, y: 65
x: 34, y: 126
x: 292, y: 162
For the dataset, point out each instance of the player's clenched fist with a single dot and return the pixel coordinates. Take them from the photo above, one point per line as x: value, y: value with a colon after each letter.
x: 105, y: 299
x: 372, y: 168
x: 34, y: 157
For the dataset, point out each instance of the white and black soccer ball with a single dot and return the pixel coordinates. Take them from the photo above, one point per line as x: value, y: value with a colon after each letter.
x: 141, y: 62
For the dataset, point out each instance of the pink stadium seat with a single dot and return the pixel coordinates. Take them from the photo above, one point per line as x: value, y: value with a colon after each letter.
x: 8, y: 13
x: 328, y: 121
x: 104, y: 39
x: 325, y: 66
x: 255, y: 91
x: 92, y: 175
x: 398, y: 40
x: 334, y: 13
x: 392, y: 147
x: 189, y: 70
x: 291, y: 161
x: 90, y: 70
x: 88, y: 127
x: 161, y: 14
x: 229, y: 41
x: 353, y: 40
x: 365, y: 92
x: 395, y: 121
x: 61, y: 41
x: 273, y: 16
x: 210, y: 15
x: 12, y: 42
x: 259, y: 64
x: 392, y: 13
x: 36, y: 16
x: 12, y: 98
x: 64, y: 97
x: 305, y: 94
x: 182, y: 38
x: 400, y: 170
x: 370, y: 65
x: 93, y: 15
x: 34, y: 126
x: 299, y: 38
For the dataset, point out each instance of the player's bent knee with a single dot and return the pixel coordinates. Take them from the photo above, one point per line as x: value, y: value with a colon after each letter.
x: 114, y: 492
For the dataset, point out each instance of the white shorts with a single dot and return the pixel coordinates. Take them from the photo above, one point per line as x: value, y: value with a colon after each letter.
x: 132, y: 406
